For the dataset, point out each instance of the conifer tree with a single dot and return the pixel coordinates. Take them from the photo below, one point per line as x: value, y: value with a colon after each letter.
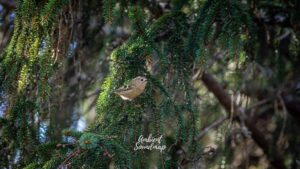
x: 222, y: 83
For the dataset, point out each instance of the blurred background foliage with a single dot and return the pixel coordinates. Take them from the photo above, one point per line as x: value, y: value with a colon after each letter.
x: 223, y: 83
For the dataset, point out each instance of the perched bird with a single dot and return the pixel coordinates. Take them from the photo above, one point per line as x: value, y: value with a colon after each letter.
x: 133, y: 89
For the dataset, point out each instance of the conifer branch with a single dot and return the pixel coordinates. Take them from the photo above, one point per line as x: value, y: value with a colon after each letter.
x: 76, y: 152
x: 212, y: 85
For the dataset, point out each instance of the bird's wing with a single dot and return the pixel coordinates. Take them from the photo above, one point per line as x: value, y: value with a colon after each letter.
x: 124, y: 88
x: 131, y: 83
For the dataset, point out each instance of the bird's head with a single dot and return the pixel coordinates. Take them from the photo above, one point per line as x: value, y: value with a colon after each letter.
x: 140, y: 81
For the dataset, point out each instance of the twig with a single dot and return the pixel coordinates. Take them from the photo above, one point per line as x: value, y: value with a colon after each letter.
x: 71, y: 155
x: 215, y: 124
x: 260, y: 103
x: 284, y: 116
x: 107, y: 154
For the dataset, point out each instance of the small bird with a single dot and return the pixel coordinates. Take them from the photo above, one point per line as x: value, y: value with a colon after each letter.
x: 133, y: 90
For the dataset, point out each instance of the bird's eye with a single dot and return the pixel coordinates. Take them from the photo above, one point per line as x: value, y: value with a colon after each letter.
x: 142, y: 79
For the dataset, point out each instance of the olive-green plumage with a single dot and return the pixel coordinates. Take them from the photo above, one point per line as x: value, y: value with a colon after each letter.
x: 133, y: 90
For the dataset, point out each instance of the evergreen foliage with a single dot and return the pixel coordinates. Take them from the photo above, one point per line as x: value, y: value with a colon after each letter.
x: 26, y: 66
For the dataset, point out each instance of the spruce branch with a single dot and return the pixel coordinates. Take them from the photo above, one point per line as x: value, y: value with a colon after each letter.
x: 73, y: 154
x: 212, y: 85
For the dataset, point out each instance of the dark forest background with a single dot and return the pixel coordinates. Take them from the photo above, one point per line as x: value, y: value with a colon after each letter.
x: 223, y: 83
